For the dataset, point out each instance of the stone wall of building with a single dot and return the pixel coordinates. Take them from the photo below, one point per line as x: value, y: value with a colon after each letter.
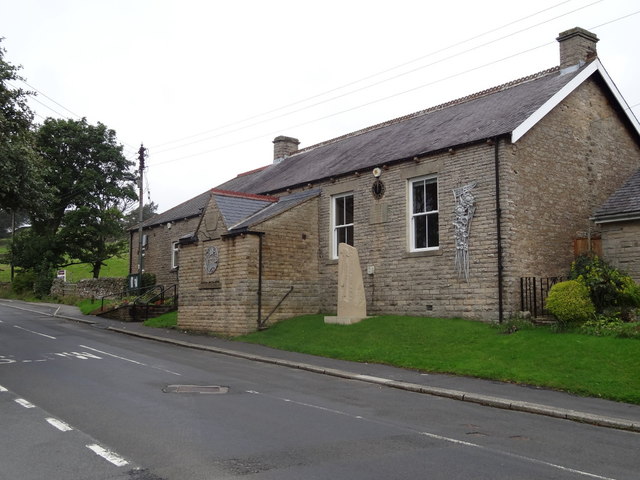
x: 157, y: 253
x: 290, y: 259
x: 621, y: 246
x: 551, y: 181
x: 226, y: 301
x: 424, y: 283
x: 554, y: 178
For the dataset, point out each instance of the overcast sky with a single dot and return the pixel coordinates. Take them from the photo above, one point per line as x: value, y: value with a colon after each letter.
x: 207, y: 85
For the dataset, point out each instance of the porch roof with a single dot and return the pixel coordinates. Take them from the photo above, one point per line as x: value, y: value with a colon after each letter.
x: 623, y: 204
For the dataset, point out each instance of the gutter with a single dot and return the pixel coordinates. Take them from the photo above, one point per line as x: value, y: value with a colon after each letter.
x: 616, y: 217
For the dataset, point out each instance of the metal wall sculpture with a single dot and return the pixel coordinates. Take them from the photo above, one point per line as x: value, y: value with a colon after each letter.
x: 465, y: 206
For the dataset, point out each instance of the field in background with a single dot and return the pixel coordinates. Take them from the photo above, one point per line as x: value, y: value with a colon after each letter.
x: 116, y: 267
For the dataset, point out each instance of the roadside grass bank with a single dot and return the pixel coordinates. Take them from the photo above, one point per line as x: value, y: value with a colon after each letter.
x: 605, y: 367
x: 166, y: 320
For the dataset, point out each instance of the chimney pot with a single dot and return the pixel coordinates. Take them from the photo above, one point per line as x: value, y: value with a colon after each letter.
x: 577, y: 46
x: 283, y: 147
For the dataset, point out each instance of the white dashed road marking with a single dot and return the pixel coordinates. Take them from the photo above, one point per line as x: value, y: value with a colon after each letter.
x: 24, y: 403
x: 129, y: 360
x: 117, y: 460
x: 4, y: 360
x: 63, y: 427
x: 460, y: 443
x: 36, y: 333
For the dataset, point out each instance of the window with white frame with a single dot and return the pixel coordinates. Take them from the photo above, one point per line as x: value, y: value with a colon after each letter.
x: 423, y: 212
x: 175, y: 251
x: 341, y: 221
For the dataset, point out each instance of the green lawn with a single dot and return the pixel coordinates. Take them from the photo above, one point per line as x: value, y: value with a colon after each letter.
x: 604, y: 367
x: 166, y: 320
x: 116, y: 267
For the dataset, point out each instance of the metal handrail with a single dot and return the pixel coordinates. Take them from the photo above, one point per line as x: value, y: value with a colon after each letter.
x: 145, y: 299
x: 161, y: 296
x: 123, y: 294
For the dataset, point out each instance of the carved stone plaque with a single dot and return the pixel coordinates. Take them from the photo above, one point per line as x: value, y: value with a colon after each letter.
x: 210, y: 260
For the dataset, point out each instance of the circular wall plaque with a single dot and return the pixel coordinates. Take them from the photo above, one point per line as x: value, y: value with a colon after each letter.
x: 210, y: 260
x: 378, y: 189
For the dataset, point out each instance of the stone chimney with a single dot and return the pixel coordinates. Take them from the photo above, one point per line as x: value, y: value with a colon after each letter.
x: 577, y: 46
x: 283, y: 147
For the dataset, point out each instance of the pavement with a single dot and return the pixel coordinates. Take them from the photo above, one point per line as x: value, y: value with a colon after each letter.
x: 517, y: 397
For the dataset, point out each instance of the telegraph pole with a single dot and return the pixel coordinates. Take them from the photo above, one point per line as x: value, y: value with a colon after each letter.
x: 142, y: 154
x: 13, y: 237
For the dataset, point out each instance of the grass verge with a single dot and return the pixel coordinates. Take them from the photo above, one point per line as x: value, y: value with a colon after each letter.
x: 605, y: 367
x: 166, y: 320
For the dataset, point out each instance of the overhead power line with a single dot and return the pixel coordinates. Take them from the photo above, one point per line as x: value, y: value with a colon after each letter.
x: 75, y: 115
x: 470, y: 39
x: 378, y: 100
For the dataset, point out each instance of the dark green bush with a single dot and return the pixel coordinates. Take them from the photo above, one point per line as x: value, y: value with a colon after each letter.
x: 23, y: 282
x: 148, y: 280
x: 570, y: 302
x: 610, y: 289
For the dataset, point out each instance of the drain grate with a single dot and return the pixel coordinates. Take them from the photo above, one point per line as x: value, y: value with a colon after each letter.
x: 210, y: 389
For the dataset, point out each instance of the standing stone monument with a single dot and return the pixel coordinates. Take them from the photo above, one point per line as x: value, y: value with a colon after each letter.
x: 352, y: 303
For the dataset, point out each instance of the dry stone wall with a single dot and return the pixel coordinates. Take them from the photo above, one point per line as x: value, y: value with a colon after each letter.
x: 89, y: 287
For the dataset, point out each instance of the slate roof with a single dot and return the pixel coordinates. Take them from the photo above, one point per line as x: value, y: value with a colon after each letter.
x: 235, y: 207
x: 284, y: 203
x: 512, y: 108
x: 623, y: 205
x: 487, y: 114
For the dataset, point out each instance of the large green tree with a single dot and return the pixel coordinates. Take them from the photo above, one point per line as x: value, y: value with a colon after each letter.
x: 89, y: 180
x: 21, y: 185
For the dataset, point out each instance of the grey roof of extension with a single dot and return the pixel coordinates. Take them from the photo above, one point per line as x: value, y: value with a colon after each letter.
x: 235, y: 208
x: 623, y: 204
x: 284, y: 203
x: 494, y: 112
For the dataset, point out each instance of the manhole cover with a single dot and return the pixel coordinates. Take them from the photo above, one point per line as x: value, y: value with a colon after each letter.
x: 195, y: 389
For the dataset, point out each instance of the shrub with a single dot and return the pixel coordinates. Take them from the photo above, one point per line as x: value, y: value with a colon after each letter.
x: 602, y: 326
x: 610, y: 326
x: 148, y: 280
x: 609, y: 288
x: 570, y: 302
x: 23, y: 282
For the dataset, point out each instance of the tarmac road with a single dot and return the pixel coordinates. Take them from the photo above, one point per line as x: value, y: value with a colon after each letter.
x: 175, y: 412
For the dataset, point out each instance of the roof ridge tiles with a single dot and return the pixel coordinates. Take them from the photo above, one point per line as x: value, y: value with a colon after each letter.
x: 451, y: 103
x: 252, y: 196
x: 255, y: 170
